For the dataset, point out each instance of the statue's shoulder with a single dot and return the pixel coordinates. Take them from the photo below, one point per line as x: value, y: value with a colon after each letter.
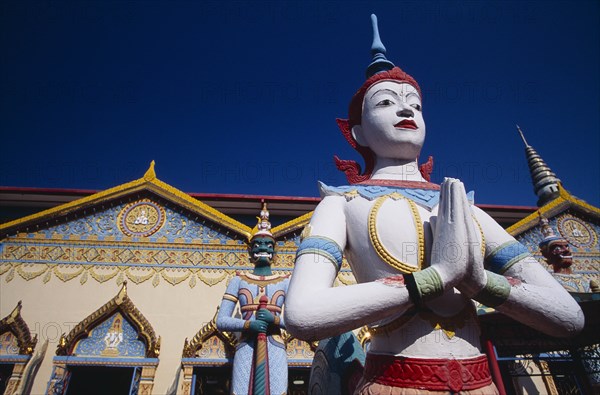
x: 425, y: 194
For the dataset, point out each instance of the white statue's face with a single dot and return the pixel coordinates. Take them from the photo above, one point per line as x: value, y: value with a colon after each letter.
x: 392, y: 121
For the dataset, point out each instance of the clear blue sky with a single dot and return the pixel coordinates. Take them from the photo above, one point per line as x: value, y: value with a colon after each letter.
x: 241, y: 97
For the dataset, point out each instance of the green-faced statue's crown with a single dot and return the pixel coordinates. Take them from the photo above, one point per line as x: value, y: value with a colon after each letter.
x: 263, y: 227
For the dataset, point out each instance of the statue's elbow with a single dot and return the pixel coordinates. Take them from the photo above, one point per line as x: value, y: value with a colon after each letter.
x: 577, y: 323
x: 296, y: 323
x: 572, y: 325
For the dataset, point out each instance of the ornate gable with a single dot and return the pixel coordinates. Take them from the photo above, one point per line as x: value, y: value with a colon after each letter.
x: 141, y: 231
x: 15, y: 337
x: 565, y: 201
x: 210, y: 343
x: 117, y: 329
x: 574, y: 221
x: 148, y: 184
x: 299, y: 352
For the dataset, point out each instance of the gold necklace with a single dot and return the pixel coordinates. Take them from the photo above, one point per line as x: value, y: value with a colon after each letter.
x: 378, y: 245
x: 480, y: 229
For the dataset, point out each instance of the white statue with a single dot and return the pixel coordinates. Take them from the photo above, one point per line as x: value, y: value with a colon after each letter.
x: 420, y: 253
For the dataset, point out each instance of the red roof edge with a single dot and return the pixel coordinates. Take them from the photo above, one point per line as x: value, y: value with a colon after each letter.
x: 199, y: 196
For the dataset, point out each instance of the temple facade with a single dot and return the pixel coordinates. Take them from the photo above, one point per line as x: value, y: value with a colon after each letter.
x: 117, y: 291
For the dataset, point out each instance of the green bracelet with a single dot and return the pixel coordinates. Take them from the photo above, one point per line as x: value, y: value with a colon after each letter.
x: 424, y: 285
x: 495, y: 292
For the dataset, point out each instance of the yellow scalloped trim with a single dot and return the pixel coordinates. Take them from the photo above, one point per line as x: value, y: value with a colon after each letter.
x: 28, y: 275
x: 210, y: 281
x: 139, y: 278
x: 209, y: 277
x: 64, y: 277
x: 101, y: 278
x: 6, y: 267
x: 174, y: 280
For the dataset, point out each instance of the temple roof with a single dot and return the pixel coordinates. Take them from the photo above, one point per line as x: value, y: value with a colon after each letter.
x: 561, y: 203
x: 149, y: 183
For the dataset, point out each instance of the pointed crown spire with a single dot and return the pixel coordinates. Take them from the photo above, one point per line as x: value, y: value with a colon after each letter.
x: 380, y: 69
x: 547, y: 232
x: 263, y: 227
x: 545, y: 182
x: 380, y: 62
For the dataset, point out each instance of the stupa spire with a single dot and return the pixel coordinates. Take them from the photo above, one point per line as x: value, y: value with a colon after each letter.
x: 522, y: 136
x: 545, y: 182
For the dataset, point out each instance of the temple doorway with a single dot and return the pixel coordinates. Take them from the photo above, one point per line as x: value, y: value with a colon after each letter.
x: 211, y: 380
x: 298, y: 381
x: 101, y: 380
x: 5, y: 373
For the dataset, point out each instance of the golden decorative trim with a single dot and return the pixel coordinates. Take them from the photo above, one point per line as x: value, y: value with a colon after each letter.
x: 346, y: 278
x: 101, y: 278
x: 380, y: 248
x: 150, y: 174
x: 210, y: 281
x: 6, y: 267
x: 137, y: 274
x: 230, y: 298
x: 287, y: 338
x: 141, y: 218
x: 482, y: 236
x: 364, y: 335
x: 206, y: 332
x: 547, y: 377
x: 138, y: 279
x: 564, y: 201
x: 290, y: 226
x: 15, y: 324
x: 173, y: 280
x: 122, y: 304
x: 150, y: 183
x: 27, y: 275
x: 64, y: 277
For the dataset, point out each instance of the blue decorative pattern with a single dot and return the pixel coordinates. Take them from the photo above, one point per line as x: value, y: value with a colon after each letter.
x: 506, y: 255
x: 115, y: 337
x: 321, y: 246
x: 103, y: 224
x: 426, y: 198
x: 586, y: 259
